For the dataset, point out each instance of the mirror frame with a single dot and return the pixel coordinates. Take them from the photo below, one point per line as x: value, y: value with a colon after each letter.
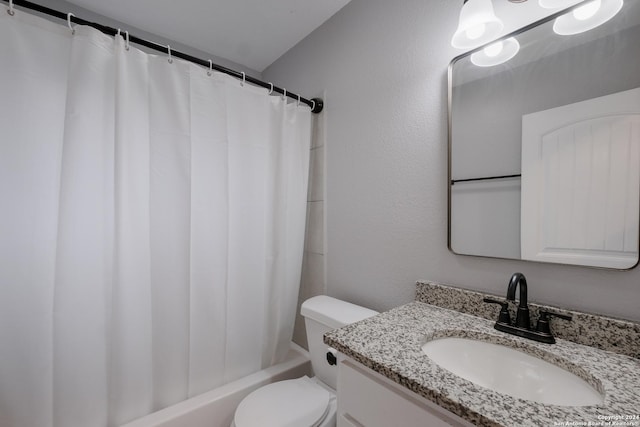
x: 450, y: 143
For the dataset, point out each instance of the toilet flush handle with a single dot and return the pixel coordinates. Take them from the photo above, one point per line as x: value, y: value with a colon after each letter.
x: 332, y: 358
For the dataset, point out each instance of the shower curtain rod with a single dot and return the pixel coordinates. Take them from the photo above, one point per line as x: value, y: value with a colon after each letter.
x: 316, y: 104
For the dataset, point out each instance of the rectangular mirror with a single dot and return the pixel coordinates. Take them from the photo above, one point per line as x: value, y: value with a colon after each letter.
x: 544, y: 147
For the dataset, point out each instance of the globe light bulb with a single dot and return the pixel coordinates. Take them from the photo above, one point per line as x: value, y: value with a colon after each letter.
x: 477, y: 25
x: 476, y: 31
x: 496, y: 53
x: 494, y: 49
x: 555, y: 4
x: 587, y: 16
x: 588, y: 10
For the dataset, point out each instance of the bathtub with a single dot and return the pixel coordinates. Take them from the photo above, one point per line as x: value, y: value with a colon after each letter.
x: 215, y: 408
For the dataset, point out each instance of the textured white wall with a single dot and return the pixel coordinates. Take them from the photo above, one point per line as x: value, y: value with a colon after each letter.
x: 383, y: 66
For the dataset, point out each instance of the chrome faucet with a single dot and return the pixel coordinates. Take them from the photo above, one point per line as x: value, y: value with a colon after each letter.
x: 522, y: 327
x: 522, y: 316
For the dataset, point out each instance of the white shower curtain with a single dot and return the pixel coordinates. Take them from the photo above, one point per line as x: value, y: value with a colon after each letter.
x: 151, y: 227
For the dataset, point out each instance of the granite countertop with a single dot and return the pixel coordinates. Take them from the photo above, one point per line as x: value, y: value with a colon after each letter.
x: 391, y: 344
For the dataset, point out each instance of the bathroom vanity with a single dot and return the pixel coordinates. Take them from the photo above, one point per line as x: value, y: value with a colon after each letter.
x: 385, y: 376
x: 359, y: 386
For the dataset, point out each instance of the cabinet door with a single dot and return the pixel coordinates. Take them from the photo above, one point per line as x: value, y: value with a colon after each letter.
x: 366, y: 398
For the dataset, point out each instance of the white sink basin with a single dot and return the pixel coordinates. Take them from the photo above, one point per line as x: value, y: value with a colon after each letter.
x: 511, y: 372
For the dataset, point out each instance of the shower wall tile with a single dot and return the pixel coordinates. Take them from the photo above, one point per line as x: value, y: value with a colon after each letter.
x: 311, y: 285
x: 316, y: 175
x: 315, y: 227
x: 299, y: 332
x: 313, y: 281
x: 314, y: 277
x: 318, y: 129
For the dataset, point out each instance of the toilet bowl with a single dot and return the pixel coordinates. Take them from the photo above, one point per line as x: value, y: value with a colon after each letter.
x: 293, y: 403
x: 304, y: 402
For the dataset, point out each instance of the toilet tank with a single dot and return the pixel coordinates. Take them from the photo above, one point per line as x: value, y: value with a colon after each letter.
x: 323, y: 314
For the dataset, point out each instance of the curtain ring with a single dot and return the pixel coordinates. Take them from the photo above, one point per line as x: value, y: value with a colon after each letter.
x: 244, y: 76
x: 313, y: 107
x: 69, y: 15
x: 169, y: 52
x: 10, y: 11
x: 298, y: 101
x: 210, y: 72
x: 284, y: 95
x: 270, y: 89
x: 126, y: 40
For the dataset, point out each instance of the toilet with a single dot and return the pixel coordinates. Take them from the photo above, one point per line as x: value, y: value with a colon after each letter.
x: 304, y: 402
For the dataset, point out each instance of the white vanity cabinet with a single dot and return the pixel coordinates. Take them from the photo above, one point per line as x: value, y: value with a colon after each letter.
x: 368, y: 399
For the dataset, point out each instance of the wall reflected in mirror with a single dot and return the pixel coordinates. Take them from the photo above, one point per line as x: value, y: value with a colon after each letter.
x: 545, y: 146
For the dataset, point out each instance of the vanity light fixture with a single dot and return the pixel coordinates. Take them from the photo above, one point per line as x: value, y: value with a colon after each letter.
x: 556, y: 4
x: 478, y: 25
x: 586, y: 17
x: 496, y: 53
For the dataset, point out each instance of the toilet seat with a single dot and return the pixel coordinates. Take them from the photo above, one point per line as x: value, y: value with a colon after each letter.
x: 291, y: 403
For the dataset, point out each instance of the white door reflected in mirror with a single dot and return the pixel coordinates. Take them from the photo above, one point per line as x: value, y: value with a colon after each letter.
x: 581, y: 182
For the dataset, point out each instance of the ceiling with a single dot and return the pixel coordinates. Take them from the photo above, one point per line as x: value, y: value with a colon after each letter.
x: 253, y: 33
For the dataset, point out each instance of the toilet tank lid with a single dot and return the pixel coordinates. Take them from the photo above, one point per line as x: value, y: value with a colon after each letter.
x: 333, y: 312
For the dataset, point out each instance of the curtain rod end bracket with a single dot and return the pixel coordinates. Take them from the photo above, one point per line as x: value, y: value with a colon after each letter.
x: 319, y: 105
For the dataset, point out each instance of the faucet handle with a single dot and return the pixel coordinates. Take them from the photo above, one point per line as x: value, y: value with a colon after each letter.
x: 504, y: 316
x: 543, y: 321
